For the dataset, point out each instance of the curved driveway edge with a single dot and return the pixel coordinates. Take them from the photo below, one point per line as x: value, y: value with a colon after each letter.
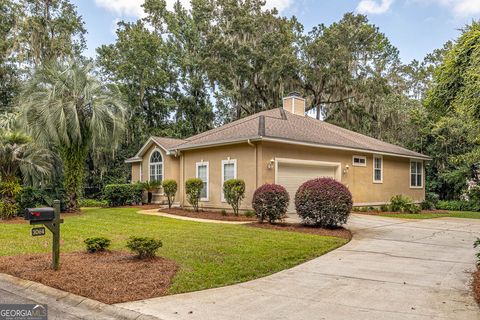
x: 392, y: 269
x: 62, y: 305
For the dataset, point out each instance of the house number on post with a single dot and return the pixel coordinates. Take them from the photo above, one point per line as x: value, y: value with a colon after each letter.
x: 40, y: 231
x: 50, y: 218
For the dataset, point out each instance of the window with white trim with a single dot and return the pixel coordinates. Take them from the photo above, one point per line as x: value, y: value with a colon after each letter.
x: 156, y: 166
x: 359, y: 161
x: 229, y: 171
x: 377, y: 169
x: 416, y: 174
x: 202, y: 174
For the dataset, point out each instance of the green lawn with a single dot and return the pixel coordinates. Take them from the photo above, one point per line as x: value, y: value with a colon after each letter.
x: 455, y: 214
x: 210, y: 255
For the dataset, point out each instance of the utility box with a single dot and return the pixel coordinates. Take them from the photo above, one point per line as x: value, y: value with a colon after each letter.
x: 40, y: 214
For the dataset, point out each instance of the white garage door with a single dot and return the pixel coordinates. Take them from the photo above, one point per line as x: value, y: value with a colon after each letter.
x: 291, y: 176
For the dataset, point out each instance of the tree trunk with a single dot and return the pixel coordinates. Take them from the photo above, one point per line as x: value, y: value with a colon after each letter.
x: 74, y: 158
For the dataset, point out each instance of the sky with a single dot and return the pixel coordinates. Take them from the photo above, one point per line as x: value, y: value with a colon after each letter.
x: 415, y: 27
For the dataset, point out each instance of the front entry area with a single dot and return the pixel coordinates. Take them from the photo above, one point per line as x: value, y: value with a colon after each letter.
x: 292, y: 173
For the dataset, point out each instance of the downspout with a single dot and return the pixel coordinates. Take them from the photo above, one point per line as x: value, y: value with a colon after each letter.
x: 255, y: 161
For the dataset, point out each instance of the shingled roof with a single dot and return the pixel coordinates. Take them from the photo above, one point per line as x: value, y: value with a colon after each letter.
x: 280, y: 125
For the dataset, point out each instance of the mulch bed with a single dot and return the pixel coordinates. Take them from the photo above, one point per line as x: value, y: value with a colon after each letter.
x: 296, y: 227
x: 373, y: 213
x: 207, y: 215
x: 109, y: 277
x: 476, y: 285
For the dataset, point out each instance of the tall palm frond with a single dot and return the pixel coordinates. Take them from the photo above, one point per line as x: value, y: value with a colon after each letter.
x: 18, y: 153
x: 64, y: 104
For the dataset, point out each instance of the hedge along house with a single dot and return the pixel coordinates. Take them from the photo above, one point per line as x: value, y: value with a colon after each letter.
x: 286, y: 147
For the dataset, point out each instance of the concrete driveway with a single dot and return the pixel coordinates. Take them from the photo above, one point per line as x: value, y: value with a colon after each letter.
x: 392, y: 269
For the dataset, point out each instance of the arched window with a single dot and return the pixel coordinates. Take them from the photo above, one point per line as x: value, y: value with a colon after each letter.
x: 156, y: 166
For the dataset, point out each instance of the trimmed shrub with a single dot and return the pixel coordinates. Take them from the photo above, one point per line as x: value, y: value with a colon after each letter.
x: 270, y: 202
x: 234, y: 193
x: 401, y: 203
x: 123, y: 194
x: 193, y: 188
x: 97, y: 244
x: 170, y: 189
x: 458, y: 205
x: 92, y: 203
x: 223, y: 212
x: 144, y: 247
x: 323, y: 202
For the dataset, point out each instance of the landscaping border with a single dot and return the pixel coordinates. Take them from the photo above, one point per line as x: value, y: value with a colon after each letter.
x: 82, y: 307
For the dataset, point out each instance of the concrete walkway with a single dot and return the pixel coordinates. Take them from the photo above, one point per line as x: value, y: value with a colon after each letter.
x: 157, y: 212
x: 392, y: 269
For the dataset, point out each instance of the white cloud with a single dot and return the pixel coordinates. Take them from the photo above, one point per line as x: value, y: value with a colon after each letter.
x: 462, y: 7
x: 133, y: 8
x: 279, y: 4
x: 374, y: 6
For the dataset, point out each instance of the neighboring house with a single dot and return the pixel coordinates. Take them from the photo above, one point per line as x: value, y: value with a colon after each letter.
x: 286, y: 147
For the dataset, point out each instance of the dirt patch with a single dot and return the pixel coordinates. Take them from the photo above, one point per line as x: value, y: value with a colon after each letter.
x: 207, y: 215
x: 296, y: 227
x: 373, y: 213
x: 109, y: 277
x: 476, y: 284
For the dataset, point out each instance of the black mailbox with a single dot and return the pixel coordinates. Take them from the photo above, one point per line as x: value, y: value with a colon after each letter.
x: 39, y: 214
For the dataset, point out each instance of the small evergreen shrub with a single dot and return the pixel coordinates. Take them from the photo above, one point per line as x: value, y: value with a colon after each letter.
x: 193, y: 188
x: 401, y: 203
x: 123, y: 194
x: 144, y: 247
x: 458, y: 205
x: 92, y: 203
x: 223, y: 212
x: 270, y: 202
x: 97, y: 244
x: 323, y: 202
x: 249, y: 214
x: 234, y: 193
x: 170, y: 189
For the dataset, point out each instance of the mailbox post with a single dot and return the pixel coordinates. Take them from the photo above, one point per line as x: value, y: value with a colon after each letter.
x: 50, y: 218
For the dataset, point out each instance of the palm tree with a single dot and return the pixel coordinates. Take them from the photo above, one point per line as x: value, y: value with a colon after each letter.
x: 64, y: 106
x: 19, y: 154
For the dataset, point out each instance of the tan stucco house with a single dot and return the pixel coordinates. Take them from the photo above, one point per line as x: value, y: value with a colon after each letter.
x: 286, y: 147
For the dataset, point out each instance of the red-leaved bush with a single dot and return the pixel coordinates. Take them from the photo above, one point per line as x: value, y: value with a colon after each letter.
x: 270, y: 202
x: 323, y: 202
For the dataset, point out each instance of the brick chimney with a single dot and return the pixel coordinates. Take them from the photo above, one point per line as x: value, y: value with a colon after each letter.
x: 294, y: 103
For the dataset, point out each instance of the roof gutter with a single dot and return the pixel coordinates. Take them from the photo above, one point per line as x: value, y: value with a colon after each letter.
x: 326, y: 146
x: 133, y: 160
x: 220, y: 143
